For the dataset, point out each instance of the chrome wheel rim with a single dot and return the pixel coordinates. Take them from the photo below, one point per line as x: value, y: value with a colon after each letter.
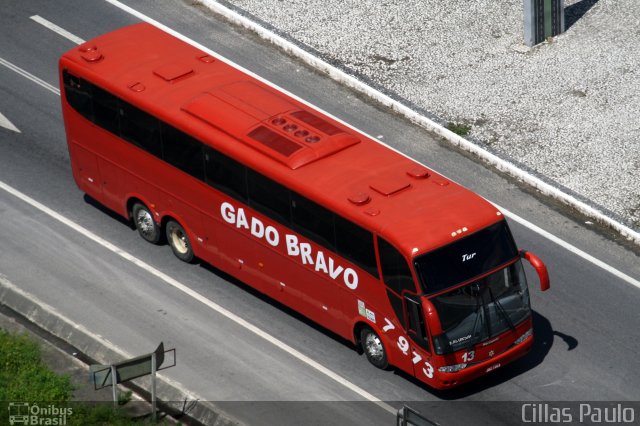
x: 179, y: 240
x: 145, y: 224
x: 374, y: 347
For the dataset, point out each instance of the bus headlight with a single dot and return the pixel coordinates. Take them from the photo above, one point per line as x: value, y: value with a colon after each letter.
x: 524, y: 337
x: 452, y: 368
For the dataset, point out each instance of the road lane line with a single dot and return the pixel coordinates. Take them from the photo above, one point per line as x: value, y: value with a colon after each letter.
x: 4, y: 282
x: 197, y: 296
x: 53, y: 27
x: 30, y: 76
x: 573, y: 249
x: 513, y: 216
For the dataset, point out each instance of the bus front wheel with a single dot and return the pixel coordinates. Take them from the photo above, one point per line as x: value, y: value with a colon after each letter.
x: 373, y: 348
x: 179, y: 241
x: 146, y: 226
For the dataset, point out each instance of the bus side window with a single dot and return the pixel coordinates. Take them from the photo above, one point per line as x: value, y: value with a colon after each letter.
x: 225, y: 174
x: 313, y: 221
x: 105, y: 110
x: 356, y: 244
x: 140, y: 128
x: 395, y: 270
x: 269, y: 197
x: 416, y: 330
x: 78, y: 94
x: 182, y: 151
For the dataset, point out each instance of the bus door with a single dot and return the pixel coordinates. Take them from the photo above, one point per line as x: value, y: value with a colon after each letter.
x: 419, y: 337
x: 88, y: 175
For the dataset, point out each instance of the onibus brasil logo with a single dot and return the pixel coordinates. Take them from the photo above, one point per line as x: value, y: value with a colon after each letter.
x: 24, y: 413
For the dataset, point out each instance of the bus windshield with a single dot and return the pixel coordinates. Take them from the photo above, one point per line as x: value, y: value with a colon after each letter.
x: 482, y: 309
x: 466, y: 258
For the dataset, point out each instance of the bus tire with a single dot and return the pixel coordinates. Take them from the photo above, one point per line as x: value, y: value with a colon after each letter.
x: 179, y: 241
x: 144, y: 223
x: 373, y: 348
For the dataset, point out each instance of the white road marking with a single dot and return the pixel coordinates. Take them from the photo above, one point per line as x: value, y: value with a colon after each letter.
x: 573, y: 249
x: 4, y: 122
x: 53, y: 27
x: 197, y: 296
x: 30, y: 76
x: 4, y: 282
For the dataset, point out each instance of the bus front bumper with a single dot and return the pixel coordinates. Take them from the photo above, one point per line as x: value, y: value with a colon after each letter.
x: 450, y: 380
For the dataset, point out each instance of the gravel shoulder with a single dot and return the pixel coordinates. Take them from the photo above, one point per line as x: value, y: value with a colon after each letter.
x: 566, y: 110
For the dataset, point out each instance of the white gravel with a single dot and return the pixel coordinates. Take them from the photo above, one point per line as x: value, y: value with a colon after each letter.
x: 568, y: 110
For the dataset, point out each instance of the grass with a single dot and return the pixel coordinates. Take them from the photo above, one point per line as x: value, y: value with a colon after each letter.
x: 25, y: 378
x: 459, y: 129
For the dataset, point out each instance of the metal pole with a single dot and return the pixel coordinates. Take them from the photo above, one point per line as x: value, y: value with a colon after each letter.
x: 114, y: 384
x: 153, y: 386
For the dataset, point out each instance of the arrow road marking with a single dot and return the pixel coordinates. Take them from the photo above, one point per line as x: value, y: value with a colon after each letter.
x: 4, y: 122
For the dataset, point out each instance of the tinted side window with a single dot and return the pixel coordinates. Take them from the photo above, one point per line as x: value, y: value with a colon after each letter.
x: 395, y: 270
x: 355, y: 244
x: 182, y: 151
x: 312, y: 221
x: 78, y: 94
x: 105, y: 110
x: 140, y: 128
x: 396, y: 304
x: 269, y: 197
x: 225, y: 174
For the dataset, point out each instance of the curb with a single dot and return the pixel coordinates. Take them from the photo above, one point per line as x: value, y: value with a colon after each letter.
x: 418, y: 118
x: 100, y: 349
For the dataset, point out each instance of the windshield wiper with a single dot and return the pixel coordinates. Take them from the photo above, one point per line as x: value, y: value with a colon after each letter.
x: 474, y: 339
x: 501, y: 309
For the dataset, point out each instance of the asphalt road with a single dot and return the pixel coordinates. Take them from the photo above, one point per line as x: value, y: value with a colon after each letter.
x: 587, y: 342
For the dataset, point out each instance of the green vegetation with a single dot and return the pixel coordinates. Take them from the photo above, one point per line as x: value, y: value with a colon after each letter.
x: 25, y: 378
x: 459, y: 129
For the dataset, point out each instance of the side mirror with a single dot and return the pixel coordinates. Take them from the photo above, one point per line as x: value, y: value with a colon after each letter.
x: 431, y: 316
x: 540, y: 268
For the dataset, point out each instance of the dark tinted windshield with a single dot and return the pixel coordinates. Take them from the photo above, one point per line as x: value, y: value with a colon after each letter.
x: 467, y: 258
x: 482, y: 309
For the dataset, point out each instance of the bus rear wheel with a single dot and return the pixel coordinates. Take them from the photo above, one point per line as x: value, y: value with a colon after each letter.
x: 179, y: 241
x: 373, y: 348
x: 146, y: 226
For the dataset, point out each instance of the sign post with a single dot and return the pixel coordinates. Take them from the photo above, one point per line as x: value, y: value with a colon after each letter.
x: 542, y: 19
x: 110, y: 375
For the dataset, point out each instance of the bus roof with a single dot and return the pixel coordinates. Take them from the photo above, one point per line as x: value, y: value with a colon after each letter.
x: 412, y: 206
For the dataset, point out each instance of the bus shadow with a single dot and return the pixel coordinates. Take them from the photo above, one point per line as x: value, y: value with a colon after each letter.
x: 113, y: 215
x: 544, y: 337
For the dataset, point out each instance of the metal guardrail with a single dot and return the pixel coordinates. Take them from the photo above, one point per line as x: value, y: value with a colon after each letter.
x: 407, y: 416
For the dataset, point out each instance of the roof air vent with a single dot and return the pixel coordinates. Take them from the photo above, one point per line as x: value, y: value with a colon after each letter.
x: 172, y: 72
x: 359, y: 198
x: 316, y: 122
x: 389, y: 186
x: 419, y: 173
x: 274, y: 141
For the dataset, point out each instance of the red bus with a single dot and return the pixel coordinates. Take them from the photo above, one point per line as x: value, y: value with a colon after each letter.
x: 416, y: 270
